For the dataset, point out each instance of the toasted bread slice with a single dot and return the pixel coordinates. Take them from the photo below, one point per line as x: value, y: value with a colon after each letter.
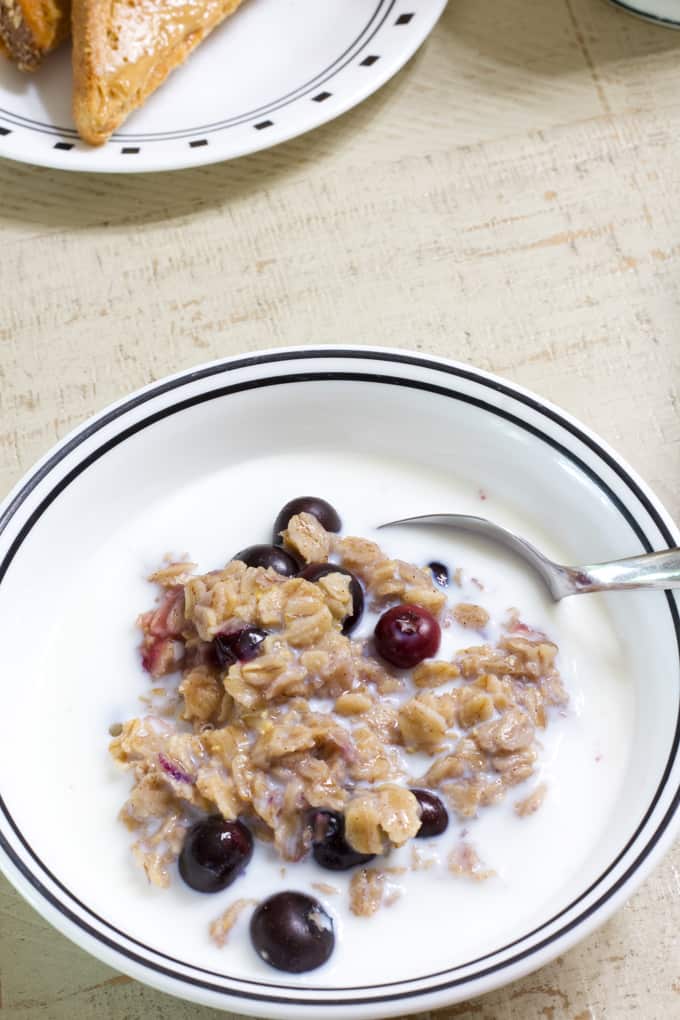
x: 30, y: 29
x: 124, y: 49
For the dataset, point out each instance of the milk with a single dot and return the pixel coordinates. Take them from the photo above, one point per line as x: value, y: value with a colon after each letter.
x: 439, y: 920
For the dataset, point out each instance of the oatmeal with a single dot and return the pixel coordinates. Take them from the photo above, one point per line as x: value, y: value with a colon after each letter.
x: 221, y: 928
x: 530, y: 805
x: 288, y: 728
x: 464, y: 861
x: 373, y: 888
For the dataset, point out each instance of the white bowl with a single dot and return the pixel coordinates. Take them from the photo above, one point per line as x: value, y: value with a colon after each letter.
x: 200, y: 462
x: 660, y: 12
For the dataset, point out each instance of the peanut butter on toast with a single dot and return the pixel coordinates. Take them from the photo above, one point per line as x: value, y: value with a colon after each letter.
x: 124, y: 49
x: 30, y: 29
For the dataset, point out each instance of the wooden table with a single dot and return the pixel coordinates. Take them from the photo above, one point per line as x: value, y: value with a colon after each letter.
x: 510, y: 199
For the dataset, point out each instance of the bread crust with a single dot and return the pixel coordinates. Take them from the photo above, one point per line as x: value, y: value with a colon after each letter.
x: 123, y: 50
x: 30, y: 29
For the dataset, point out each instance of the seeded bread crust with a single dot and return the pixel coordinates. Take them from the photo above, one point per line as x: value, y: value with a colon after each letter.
x: 112, y: 73
x: 30, y: 29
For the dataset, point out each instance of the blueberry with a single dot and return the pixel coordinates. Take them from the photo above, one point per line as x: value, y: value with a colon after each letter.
x: 406, y: 635
x: 315, y: 571
x: 319, y: 508
x: 330, y: 849
x: 434, y: 818
x: 215, y: 852
x: 292, y: 931
x: 241, y: 646
x: 440, y: 573
x: 269, y: 556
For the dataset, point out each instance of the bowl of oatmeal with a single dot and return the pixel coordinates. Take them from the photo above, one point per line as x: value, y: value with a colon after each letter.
x: 272, y: 738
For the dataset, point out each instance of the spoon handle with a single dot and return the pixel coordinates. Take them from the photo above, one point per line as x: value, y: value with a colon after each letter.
x: 653, y: 570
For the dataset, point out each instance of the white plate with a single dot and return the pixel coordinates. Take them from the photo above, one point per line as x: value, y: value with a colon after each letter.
x: 661, y: 12
x: 275, y: 69
x: 200, y: 463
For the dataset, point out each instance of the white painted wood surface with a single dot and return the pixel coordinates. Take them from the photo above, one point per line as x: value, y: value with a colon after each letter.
x: 510, y: 199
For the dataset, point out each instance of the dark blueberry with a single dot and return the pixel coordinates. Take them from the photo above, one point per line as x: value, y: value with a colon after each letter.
x: 215, y: 852
x: 315, y: 571
x: 406, y: 635
x: 330, y: 849
x: 247, y: 643
x: 440, y: 573
x: 269, y: 556
x: 434, y: 817
x: 241, y: 646
x: 313, y: 505
x: 292, y: 931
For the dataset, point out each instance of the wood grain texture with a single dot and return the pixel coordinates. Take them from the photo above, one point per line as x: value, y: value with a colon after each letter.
x: 509, y: 199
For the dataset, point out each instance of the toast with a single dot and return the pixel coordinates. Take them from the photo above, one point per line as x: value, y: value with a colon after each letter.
x: 124, y: 49
x: 30, y: 29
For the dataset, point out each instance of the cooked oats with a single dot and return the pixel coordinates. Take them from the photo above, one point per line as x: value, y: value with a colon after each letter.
x: 366, y: 891
x: 324, y: 887
x: 467, y: 614
x: 464, y: 861
x: 220, y: 929
x: 315, y: 720
x: 529, y: 805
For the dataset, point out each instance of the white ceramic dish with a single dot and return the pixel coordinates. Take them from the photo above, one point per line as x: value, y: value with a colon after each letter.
x: 273, y: 71
x: 201, y: 462
x: 661, y: 12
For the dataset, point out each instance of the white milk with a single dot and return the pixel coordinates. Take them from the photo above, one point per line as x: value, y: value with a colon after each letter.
x: 440, y: 920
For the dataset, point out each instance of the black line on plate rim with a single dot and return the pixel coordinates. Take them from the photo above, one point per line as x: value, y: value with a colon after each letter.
x: 200, y: 398
x: 355, y: 49
x: 657, y: 19
x: 497, y: 385
x: 302, y: 90
x: 222, y: 391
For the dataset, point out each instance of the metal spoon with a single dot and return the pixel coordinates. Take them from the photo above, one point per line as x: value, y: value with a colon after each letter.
x: 651, y: 570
